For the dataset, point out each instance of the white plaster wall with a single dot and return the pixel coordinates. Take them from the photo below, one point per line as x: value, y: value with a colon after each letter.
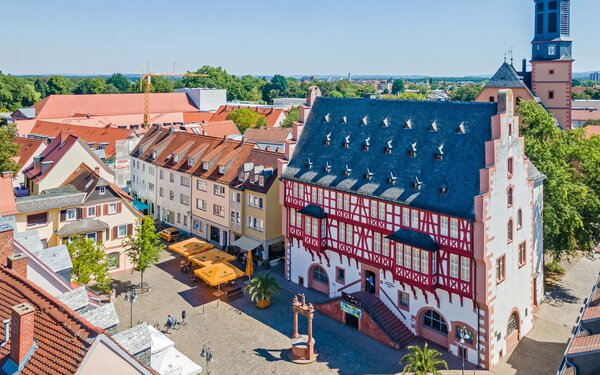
x: 142, y: 178
x: 175, y: 205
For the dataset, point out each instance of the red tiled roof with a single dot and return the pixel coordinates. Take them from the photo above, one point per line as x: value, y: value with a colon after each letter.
x: 53, y: 152
x: 27, y: 147
x: 220, y: 129
x: 189, y: 117
x: 58, y: 106
x: 63, y: 337
x: 86, y: 133
x: 585, y: 115
x: 273, y: 135
x: 270, y: 114
x: 584, y: 344
x: 591, y: 312
x: 8, y: 205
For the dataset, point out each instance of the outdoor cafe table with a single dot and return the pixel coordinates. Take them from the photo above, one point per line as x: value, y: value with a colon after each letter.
x: 219, y: 273
x: 210, y: 257
x: 190, y: 247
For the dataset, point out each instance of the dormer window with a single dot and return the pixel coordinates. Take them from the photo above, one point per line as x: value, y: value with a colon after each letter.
x: 392, y: 179
x: 388, y: 147
x: 261, y: 180
x: 385, y: 123
x: 439, y: 155
x: 408, y: 124
x: 433, y: 127
x: 222, y: 169
x: 443, y: 190
x: 366, y: 144
x: 344, y: 120
x: 154, y: 155
x: 369, y: 175
x: 347, y: 170
x: 462, y: 129
x: 205, y: 166
x: 327, y: 140
x: 417, y: 184
x: 346, y: 143
x: 364, y: 121
x: 326, y: 118
x: 190, y: 162
x: 241, y: 175
x: 327, y: 167
x: 412, y: 152
x: 308, y: 164
x: 101, y: 190
x: 176, y: 158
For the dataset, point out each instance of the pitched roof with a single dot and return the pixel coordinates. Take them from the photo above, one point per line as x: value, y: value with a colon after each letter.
x: 448, y: 185
x: 506, y: 77
x: 583, y: 344
x: 189, y: 117
x: 262, y: 163
x: 64, y: 196
x: 62, y: 336
x: 57, y: 106
x: 220, y: 128
x: 88, y: 134
x: 270, y: 114
x: 272, y: 135
x: 27, y: 148
x: 8, y: 205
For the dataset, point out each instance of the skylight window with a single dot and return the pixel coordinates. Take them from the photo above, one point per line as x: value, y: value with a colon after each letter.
x: 327, y: 140
x: 462, y: 129
x: 347, y: 170
x: 344, y: 120
x: 346, y: 143
x: 385, y: 123
x: 412, y: 152
x: 369, y: 175
x: 392, y: 179
x: 388, y: 147
x: 326, y: 118
x: 364, y: 121
x: 327, y: 167
x: 417, y: 184
x: 366, y: 144
x: 309, y: 164
x: 433, y: 127
x: 439, y: 155
x: 408, y: 124
x: 443, y: 190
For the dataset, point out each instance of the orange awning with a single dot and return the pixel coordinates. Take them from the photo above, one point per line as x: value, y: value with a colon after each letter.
x: 219, y: 273
x: 190, y: 247
x: 208, y: 258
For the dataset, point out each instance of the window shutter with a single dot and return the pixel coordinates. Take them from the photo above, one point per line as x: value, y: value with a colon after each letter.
x: 79, y: 213
x: 106, y: 209
x: 119, y: 207
x: 99, y: 237
x: 98, y: 210
x: 129, y: 229
x: 63, y: 215
x: 115, y: 232
x: 83, y: 212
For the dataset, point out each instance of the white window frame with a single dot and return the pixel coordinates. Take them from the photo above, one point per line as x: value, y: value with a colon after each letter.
x: 102, y: 190
x: 74, y: 211
x: 88, y: 211
x: 119, y: 235
x: 453, y: 227
x: 465, y: 269
x: 453, y: 265
x: 112, y: 208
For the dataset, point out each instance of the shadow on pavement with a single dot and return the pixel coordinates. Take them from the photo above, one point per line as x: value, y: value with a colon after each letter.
x: 563, y: 293
x: 121, y: 287
x: 529, y: 349
x: 268, y: 355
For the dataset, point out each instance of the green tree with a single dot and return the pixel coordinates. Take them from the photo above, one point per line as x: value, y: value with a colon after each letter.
x: 118, y: 80
x: 8, y: 149
x: 89, y: 261
x: 57, y: 85
x: 405, y: 96
x: 41, y: 86
x: 398, y: 86
x: 244, y: 118
x: 422, y: 361
x: 90, y: 86
x: 465, y: 93
x: 162, y: 84
x: 263, y: 287
x: 144, y: 248
x: 292, y: 115
x: 571, y: 163
x: 110, y: 89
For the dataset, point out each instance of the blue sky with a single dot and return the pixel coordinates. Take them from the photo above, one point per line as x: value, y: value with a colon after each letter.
x: 395, y: 37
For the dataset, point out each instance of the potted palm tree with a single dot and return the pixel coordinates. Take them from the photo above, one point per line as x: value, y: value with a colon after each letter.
x: 261, y: 288
x: 423, y: 361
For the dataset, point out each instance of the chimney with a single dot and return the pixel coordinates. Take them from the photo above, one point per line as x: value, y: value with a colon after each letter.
x: 6, y: 243
x: 506, y: 102
x: 46, y: 165
x: 18, y: 263
x: 524, y: 67
x: 21, y: 332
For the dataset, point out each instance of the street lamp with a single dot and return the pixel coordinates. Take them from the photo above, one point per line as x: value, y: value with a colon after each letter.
x: 463, y: 333
x: 131, y: 296
x: 207, y: 354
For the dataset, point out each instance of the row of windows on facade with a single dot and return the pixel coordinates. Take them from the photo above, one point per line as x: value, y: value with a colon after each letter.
x: 378, y: 210
x: 406, y: 256
x: 72, y: 214
x: 552, y: 18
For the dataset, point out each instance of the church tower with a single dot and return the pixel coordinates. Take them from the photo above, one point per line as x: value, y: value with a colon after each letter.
x: 552, y: 61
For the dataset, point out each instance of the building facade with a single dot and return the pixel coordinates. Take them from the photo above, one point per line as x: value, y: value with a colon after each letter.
x: 382, y: 204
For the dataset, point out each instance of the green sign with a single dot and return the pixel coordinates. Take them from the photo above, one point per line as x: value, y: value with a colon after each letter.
x: 351, y: 309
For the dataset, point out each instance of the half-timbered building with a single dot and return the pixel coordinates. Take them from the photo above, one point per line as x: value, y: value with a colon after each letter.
x: 416, y: 218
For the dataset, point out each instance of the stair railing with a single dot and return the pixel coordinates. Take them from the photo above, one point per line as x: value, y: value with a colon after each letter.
x: 366, y: 306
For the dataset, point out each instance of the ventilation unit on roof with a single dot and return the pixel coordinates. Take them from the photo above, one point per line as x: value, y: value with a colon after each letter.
x: 439, y: 155
x: 417, y: 185
x: 388, y: 147
x: 369, y: 175
x: 327, y: 167
x: 366, y: 144
x: 344, y: 120
x: 462, y: 129
x: 412, y: 152
x: 347, y: 170
x: 408, y: 124
x: 327, y: 140
x: 326, y: 118
x: 308, y: 164
x: 385, y: 123
x: 433, y: 127
x: 364, y: 121
x: 346, y: 143
x: 392, y: 179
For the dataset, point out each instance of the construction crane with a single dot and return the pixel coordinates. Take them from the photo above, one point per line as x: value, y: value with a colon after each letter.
x: 147, y: 80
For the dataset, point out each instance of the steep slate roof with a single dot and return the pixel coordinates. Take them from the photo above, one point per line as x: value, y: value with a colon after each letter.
x: 63, y: 337
x: 58, y: 106
x: 27, y: 147
x: 260, y: 158
x: 407, y: 122
x: 88, y: 134
x: 506, y: 77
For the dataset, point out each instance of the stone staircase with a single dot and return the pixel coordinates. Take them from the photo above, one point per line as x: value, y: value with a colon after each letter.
x: 387, y: 321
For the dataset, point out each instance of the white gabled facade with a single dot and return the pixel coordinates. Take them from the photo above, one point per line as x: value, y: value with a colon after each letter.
x: 144, y: 184
x: 173, y: 202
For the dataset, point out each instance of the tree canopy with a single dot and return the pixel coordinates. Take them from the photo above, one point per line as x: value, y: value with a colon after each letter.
x: 245, y: 118
x: 398, y: 86
x: 465, y: 93
x: 89, y: 261
x: 292, y: 115
x: 144, y: 248
x: 8, y: 149
x: 571, y: 163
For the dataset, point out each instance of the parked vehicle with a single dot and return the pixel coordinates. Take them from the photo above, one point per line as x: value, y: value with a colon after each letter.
x: 169, y: 234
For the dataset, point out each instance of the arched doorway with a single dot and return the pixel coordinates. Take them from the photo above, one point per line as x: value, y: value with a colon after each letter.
x: 433, y: 327
x: 513, y: 331
x: 318, y: 279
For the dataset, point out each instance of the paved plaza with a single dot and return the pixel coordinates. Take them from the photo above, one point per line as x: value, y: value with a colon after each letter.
x: 247, y: 340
